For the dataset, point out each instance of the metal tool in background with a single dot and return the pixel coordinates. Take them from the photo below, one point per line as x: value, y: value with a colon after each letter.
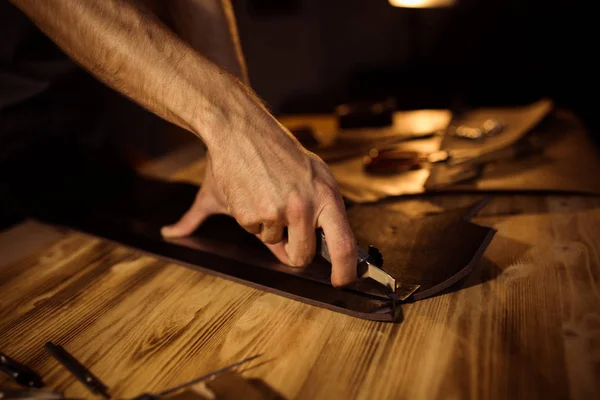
x: 351, y: 150
x: 344, y: 150
x: 93, y: 383
x: 210, y: 375
x: 82, y: 374
x: 368, y: 265
x: 396, y: 160
x: 20, y: 373
x: 490, y: 127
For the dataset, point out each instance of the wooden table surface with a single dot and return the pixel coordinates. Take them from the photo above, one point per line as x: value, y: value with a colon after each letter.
x: 525, y: 324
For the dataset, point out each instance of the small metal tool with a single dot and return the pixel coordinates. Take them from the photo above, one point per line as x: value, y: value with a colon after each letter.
x: 394, y: 159
x: 343, y: 151
x: 156, y: 396
x: 489, y: 127
x: 368, y: 265
x: 82, y: 374
x: 21, y: 374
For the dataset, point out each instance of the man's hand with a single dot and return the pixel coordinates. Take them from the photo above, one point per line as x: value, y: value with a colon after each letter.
x: 260, y: 173
x: 272, y: 187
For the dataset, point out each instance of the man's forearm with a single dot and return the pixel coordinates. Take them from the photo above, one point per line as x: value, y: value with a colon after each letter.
x: 126, y: 46
x: 210, y: 27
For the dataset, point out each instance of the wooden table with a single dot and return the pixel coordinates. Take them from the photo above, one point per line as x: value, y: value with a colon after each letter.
x: 526, y: 323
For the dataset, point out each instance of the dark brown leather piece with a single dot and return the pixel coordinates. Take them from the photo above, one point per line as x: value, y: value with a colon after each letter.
x: 432, y: 252
x: 222, y: 236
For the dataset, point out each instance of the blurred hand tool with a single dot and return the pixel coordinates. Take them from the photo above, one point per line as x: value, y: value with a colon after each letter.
x: 395, y: 159
x: 82, y: 374
x: 21, y: 374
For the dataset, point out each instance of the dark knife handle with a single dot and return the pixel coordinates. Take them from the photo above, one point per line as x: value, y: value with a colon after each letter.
x: 82, y: 374
x: 322, y: 248
x: 21, y: 374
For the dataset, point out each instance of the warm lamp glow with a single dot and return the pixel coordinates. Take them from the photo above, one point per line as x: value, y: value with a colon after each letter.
x: 422, y: 3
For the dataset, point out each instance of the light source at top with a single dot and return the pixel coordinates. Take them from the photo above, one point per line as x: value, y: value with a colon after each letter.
x: 422, y: 3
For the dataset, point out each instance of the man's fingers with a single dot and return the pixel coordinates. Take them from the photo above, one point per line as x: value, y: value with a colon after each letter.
x: 253, y: 228
x: 279, y: 251
x: 203, y: 206
x: 341, y: 244
x: 186, y: 225
x: 302, y: 242
x: 271, y: 233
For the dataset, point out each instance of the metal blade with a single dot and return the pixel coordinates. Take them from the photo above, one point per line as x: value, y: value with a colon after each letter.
x: 365, y: 268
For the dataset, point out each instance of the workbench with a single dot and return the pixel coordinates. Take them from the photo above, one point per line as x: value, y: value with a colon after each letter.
x: 525, y: 324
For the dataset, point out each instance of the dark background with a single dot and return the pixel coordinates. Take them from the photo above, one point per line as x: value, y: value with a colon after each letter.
x: 308, y: 55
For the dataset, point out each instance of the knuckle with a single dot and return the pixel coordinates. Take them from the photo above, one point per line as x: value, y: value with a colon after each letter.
x: 297, y: 208
x: 269, y: 213
x: 245, y: 219
x: 329, y: 192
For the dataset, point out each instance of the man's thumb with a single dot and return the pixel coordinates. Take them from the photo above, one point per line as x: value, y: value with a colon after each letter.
x: 203, y: 207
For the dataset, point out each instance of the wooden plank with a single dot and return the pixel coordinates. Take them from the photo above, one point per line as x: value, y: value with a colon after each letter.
x: 526, y: 324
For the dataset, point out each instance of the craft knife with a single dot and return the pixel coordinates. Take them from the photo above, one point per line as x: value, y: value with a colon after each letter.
x: 82, y: 374
x: 21, y: 374
x: 368, y: 265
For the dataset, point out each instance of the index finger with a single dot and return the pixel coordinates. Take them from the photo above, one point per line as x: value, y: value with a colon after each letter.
x: 341, y: 243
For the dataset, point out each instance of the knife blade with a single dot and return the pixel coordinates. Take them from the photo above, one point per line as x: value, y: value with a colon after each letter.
x: 368, y: 265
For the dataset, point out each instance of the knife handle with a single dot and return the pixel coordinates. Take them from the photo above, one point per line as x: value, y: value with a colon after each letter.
x: 322, y: 247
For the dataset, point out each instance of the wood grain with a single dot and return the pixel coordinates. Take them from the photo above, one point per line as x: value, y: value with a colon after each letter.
x: 525, y: 324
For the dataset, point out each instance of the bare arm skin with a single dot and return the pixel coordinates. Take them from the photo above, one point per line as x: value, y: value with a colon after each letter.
x: 258, y: 172
x: 209, y: 27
